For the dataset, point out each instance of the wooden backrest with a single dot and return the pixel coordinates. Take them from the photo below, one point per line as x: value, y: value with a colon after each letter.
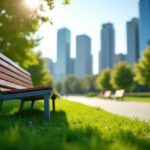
x: 12, y: 76
x: 119, y: 93
x: 107, y: 94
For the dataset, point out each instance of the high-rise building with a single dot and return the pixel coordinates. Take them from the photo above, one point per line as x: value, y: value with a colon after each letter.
x: 83, y: 62
x: 144, y: 24
x: 71, y: 66
x: 132, y: 41
x: 107, y: 46
x: 63, y: 53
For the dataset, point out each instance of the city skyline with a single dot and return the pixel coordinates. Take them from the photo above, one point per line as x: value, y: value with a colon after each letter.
x: 80, y: 20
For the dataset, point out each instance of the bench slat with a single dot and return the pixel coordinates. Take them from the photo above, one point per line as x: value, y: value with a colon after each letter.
x: 14, y: 64
x: 3, y: 89
x: 10, y: 73
x: 13, y: 80
x: 13, y: 69
x: 10, y: 85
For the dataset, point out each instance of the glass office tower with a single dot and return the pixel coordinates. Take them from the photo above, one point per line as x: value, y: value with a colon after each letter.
x: 144, y: 24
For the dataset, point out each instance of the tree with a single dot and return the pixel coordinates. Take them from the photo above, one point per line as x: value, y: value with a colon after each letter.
x: 18, y: 25
x: 142, y: 68
x: 103, y: 80
x: 59, y: 86
x: 122, y: 76
x: 40, y: 75
x: 71, y: 85
x: 87, y: 83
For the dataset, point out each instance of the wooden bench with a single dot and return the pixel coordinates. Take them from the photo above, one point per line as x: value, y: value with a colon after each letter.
x: 16, y: 83
x: 107, y: 94
x: 119, y: 94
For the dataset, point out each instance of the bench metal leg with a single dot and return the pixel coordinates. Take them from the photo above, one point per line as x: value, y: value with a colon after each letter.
x: 21, y: 104
x: 1, y: 103
x: 32, y: 104
x: 46, y: 107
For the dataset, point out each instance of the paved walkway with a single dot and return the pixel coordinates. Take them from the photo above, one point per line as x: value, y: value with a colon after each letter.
x: 130, y: 109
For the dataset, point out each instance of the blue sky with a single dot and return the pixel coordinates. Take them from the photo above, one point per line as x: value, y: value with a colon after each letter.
x: 86, y: 17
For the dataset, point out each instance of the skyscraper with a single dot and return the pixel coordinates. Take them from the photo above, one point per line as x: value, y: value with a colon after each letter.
x: 83, y: 62
x: 144, y: 24
x: 107, y: 46
x: 132, y: 41
x: 63, y: 53
x: 71, y: 66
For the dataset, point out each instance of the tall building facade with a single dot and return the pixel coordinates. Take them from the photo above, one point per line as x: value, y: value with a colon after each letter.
x: 71, y: 66
x: 83, y: 62
x: 144, y: 24
x: 107, y: 46
x: 132, y: 41
x: 63, y: 53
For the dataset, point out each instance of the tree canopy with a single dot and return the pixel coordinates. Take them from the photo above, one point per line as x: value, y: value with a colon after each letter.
x: 122, y: 76
x: 142, y: 68
x: 71, y: 85
x: 18, y: 25
x: 39, y: 73
x: 87, y: 83
x: 103, y: 80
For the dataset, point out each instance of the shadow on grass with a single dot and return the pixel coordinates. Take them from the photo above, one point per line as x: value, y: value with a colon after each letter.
x: 61, y: 134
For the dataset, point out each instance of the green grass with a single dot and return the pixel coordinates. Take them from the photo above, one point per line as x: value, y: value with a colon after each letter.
x: 73, y: 126
x: 139, y: 97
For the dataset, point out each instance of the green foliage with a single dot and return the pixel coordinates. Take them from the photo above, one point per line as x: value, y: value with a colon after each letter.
x: 72, y: 127
x: 18, y: 25
x: 122, y: 76
x: 142, y: 69
x: 66, y: 1
x: 103, y: 80
x: 40, y: 75
x: 87, y: 83
x: 59, y: 86
x: 71, y: 85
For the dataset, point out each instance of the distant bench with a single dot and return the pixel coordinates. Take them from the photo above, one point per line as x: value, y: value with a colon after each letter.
x: 119, y: 94
x: 16, y: 83
x: 106, y: 94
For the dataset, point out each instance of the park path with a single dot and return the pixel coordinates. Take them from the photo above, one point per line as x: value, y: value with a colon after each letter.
x: 139, y: 110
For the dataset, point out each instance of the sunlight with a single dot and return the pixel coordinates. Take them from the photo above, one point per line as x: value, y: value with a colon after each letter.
x: 33, y: 4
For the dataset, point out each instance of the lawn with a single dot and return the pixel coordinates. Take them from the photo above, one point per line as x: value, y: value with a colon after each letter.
x: 139, y: 97
x: 72, y: 127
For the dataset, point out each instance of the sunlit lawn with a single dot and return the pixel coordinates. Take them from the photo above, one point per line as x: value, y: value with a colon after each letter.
x: 139, y: 97
x: 73, y: 126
